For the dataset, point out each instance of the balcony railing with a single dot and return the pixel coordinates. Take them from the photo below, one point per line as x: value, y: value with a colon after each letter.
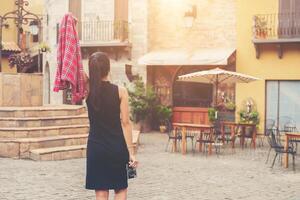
x: 277, y: 26
x: 104, y: 31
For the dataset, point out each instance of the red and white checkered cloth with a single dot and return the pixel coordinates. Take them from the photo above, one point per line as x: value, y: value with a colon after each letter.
x: 69, y: 63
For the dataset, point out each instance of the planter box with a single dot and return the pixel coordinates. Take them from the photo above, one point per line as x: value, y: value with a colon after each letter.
x: 226, y: 116
x: 21, y: 89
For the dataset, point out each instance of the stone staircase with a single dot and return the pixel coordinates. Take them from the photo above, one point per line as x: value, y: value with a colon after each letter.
x: 43, y: 133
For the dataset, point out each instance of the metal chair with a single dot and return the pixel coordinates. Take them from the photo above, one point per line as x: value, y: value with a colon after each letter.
x: 279, y: 149
x: 268, y: 135
x: 285, y: 124
x: 171, y: 135
x: 191, y: 136
x: 210, y: 138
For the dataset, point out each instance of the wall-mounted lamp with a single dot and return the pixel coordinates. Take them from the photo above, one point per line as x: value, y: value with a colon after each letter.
x: 34, y: 28
x: 190, y: 16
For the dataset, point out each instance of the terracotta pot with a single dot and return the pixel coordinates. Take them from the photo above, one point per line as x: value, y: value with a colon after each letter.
x: 162, y: 128
x: 137, y: 126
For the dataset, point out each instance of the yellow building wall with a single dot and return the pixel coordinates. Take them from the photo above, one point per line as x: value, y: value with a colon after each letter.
x: 10, y: 34
x: 268, y: 66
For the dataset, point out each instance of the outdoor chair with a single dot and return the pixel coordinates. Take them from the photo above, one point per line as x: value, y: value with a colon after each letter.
x: 210, y: 138
x: 286, y: 124
x: 289, y: 125
x: 191, y: 136
x: 279, y: 149
x: 245, y: 134
x: 268, y: 135
x: 269, y: 126
x: 227, y: 133
x: 171, y: 135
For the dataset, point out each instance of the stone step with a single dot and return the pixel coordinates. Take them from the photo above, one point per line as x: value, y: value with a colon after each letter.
x: 43, y: 121
x: 21, y: 147
x: 42, y: 111
x: 58, y: 153
x: 34, y: 132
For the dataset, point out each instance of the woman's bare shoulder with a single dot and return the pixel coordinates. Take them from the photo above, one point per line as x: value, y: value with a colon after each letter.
x: 122, y: 92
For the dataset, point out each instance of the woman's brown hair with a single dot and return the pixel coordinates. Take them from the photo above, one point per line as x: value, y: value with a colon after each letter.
x: 99, y: 67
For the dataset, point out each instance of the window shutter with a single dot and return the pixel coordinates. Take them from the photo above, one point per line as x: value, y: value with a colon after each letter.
x: 296, y: 24
x: 285, y: 19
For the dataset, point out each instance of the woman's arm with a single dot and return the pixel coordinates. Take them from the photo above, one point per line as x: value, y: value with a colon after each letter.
x: 126, y: 124
x: 87, y: 85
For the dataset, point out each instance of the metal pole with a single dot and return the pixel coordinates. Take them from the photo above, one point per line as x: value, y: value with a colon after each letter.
x: 1, y: 22
x: 19, y: 19
x: 39, y: 61
x: 217, y: 85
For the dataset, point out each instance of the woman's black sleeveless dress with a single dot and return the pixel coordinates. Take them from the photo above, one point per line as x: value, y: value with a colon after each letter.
x: 107, y: 153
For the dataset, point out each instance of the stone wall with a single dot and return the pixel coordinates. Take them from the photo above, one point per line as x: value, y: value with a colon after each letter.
x: 21, y: 89
x: 214, y: 26
x: 55, y: 10
x: 138, y: 15
x: 92, y: 9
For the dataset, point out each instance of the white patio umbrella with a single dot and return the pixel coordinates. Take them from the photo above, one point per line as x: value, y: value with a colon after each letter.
x: 217, y: 76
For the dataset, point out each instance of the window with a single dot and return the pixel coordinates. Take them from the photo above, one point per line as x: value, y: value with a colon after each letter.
x: 289, y: 18
x: 282, y: 103
x: 192, y: 94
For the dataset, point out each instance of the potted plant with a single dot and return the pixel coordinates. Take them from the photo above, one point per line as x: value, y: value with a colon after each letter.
x: 142, y: 101
x: 230, y: 106
x: 44, y: 47
x: 249, y: 114
x: 22, y: 61
x: 164, y: 114
x: 212, y: 115
x: 260, y: 26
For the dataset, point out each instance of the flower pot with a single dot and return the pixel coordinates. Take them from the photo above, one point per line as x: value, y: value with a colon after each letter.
x: 162, y: 128
x: 137, y: 126
x: 248, y: 132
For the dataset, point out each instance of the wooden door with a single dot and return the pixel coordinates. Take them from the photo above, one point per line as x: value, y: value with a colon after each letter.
x: 121, y: 10
x: 75, y: 9
x: 121, y: 20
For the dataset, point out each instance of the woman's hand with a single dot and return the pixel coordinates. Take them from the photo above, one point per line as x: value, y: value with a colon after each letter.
x: 133, y: 161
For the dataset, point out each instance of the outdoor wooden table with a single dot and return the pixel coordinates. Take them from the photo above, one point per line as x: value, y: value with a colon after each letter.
x: 243, y: 126
x: 198, y: 127
x: 288, y: 136
x: 232, y: 126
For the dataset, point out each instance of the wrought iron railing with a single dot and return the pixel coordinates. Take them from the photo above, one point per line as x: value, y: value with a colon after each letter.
x: 276, y: 26
x: 104, y: 31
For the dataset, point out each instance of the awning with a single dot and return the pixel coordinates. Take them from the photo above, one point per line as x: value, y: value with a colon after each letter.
x: 180, y: 57
x: 10, y: 46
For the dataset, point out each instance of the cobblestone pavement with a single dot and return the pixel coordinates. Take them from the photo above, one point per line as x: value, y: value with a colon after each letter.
x: 242, y: 174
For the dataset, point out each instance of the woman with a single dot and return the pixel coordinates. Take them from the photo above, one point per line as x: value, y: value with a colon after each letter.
x: 109, y: 147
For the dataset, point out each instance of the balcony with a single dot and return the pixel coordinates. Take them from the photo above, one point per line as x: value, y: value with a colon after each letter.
x: 111, y: 37
x: 103, y: 33
x: 276, y: 29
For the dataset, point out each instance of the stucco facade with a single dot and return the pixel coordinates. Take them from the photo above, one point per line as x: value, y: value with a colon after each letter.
x: 269, y: 66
